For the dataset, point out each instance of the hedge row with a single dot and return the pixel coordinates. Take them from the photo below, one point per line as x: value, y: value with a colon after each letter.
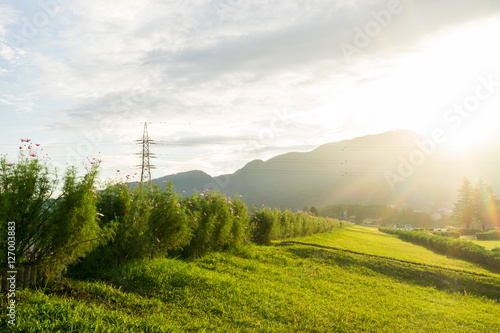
x: 451, y: 234
x: 272, y: 224
x: 452, y: 247
x: 152, y: 221
x: 468, y: 232
x: 490, y: 235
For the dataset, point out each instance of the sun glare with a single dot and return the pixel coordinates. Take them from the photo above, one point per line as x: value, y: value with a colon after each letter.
x: 472, y: 138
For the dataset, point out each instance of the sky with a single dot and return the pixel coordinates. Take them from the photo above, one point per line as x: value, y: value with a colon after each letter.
x: 223, y: 82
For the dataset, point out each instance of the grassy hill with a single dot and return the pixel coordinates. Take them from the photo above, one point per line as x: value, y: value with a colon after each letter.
x: 291, y: 288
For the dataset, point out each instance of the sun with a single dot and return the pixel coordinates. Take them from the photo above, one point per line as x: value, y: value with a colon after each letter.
x: 469, y: 139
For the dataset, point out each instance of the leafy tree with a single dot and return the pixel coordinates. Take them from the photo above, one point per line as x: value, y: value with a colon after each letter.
x: 464, y: 208
x: 476, y: 205
x: 485, y: 206
x: 314, y: 211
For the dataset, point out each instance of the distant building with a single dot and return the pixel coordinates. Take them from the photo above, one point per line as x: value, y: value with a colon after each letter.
x: 408, y: 227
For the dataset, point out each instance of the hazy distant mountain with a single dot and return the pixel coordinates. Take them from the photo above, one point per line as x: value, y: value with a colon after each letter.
x: 390, y: 168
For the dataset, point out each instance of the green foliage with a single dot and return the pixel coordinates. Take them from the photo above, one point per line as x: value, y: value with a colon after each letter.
x: 452, y: 234
x: 147, y: 221
x: 51, y: 231
x: 490, y: 235
x: 452, y: 247
x: 269, y: 289
x: 476, y: 206
x: 468, y: 232
x: 269, y: 224
x: 217, y: 222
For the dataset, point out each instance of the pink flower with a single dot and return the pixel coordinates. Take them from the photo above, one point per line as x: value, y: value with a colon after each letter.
x: 126, y: 211
x: 38, y: 145
x: 164, y: 182
x: 202, y: 195
x: 117, y: 170
x: 10, y: 164
x: 157, y: 240
x: 20, y: 147
x: 32, y: 155
x: 100, y: 214
x: 178, y: 205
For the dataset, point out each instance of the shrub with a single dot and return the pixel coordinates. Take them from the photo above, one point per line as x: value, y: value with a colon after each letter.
x: 468, y: 232
x: 451, y: 234
x: 217, y: 222
x: 272, y: 224
x: 490, y: 235
x: 53, y: 231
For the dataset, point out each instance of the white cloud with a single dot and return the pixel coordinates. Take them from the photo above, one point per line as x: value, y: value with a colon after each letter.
x: 221, y: 69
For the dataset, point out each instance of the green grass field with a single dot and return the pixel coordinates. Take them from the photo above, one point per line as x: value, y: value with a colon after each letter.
x: 488, y: 244
x: 276, y: 289
x: 370, y: 240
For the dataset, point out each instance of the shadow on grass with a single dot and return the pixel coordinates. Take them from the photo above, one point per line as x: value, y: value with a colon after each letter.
x: 430, y: 248
x: 442, y: 279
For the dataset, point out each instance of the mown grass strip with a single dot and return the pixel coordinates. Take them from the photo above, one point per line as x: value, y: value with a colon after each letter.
x: 284, y: 243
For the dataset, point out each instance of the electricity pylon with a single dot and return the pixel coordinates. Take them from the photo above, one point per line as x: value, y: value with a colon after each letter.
x: 146, y: 155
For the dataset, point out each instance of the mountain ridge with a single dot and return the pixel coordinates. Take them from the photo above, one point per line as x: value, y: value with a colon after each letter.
x: 373, y: 169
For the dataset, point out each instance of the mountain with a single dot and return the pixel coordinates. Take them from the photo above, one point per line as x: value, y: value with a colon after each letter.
x: 391, y: 168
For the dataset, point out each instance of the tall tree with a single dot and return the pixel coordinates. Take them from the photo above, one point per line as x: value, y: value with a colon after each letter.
x: 485, y: 205
x: 464, y: 208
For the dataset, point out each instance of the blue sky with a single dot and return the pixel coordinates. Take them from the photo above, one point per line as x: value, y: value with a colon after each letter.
x: 223, y: 82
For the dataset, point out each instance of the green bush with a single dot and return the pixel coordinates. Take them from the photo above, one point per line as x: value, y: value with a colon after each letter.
x: 147, y: 221
x: 490, y: 235
x: 217, y: 222
x: 468, y: 232
x: 268, y: 224
x: 451, y: 234
x: 52, y: 231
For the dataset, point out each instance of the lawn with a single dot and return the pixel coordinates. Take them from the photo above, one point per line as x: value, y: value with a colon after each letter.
x: 370, y: 240
x: 275, y: 289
